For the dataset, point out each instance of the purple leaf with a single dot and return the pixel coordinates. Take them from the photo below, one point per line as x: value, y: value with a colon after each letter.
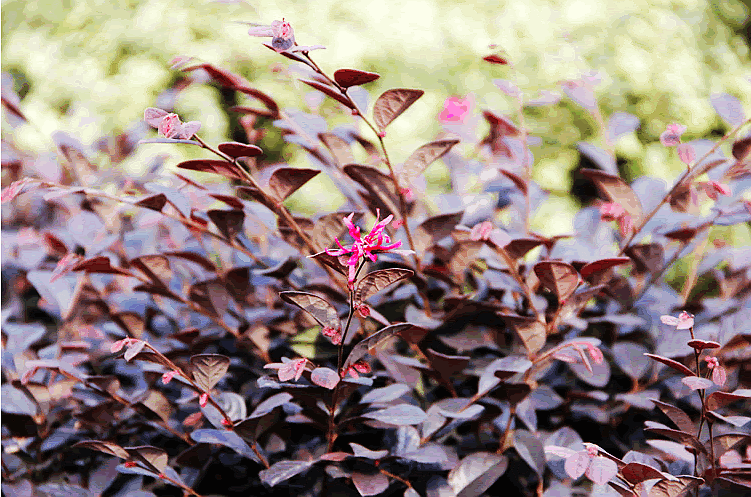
x: 696, y: 383
x: 402, y: 414
x: 729, y: 108
x: 621, y: 123
x: 600, y: 157
x: 476, y: 473
x: 370, y: 484
x: 283, y: 470
x: 601, y: 469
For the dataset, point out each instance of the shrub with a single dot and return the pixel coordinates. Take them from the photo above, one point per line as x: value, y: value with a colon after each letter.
x: 164, y: 332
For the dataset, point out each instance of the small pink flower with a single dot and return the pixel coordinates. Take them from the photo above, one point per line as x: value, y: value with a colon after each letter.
x: 364, y: 310
x: 719, y: 374
x: 226, y: 422
x: 167, y: 377
x: 334, y: 334
x: 672, y: 134
x: 611, y: 211
x: 360, y: 367
x: 203, y: 399
x: 481, y: 231
x: 169, y: 125
x: 455, y: 110
x: 684, y: 321
x: 281, y: 33
x: 368, y: 246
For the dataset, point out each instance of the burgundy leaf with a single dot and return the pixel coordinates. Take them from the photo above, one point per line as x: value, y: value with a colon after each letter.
x: 421, y: 158
x: 673, y: 364
x: 236, y: 150
x: 287, y: 180
x: 317, y: 307
x: 476, y: 473
x: 617, y: 191
x: 558, y: 277
x: 153, y: 202
x: 354, y: 77
x: 330, y: 91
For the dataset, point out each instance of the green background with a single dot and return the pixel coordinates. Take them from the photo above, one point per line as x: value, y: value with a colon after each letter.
x: 92, y: 67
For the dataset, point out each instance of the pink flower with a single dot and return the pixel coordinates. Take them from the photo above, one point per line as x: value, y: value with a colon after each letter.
x: 577, y: 350
x: 481, y: 231
x: 364, y: 310
x: 360, y: 367
x: 719, y: 374
x: 334, y: 334
x: 455, y: 110
x: 684, y: 321
x: 374, y: 242
x: 203, y: 399
x: 169, y: 125
x: 672, y: 134
x: 167, y: 377
x: 281, y: 33
x: 611, y: 211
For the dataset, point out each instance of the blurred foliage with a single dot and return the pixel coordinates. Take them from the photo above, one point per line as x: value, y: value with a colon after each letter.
x: 91, y: 67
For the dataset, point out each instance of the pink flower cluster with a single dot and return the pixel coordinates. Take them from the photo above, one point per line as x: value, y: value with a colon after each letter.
x: 169, y: 125
x: 368, y: 246
x: 288, y: 368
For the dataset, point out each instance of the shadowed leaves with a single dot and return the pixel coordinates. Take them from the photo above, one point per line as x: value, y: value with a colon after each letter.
x: 323, y: 312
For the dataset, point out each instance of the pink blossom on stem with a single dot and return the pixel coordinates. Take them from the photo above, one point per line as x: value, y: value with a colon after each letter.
x: 360, y: 367
x: 203, y: 399
x: 169, y: 125
x: 672, y: 134
x: 684, y: 320
x: 719, y: 374
x: 613, y: 211
x: 364, y: 310
x: 455, y: 110
x: 281, y: 33
x: 481, y: 231
x: 334, y: 334
x: 368, y: 246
